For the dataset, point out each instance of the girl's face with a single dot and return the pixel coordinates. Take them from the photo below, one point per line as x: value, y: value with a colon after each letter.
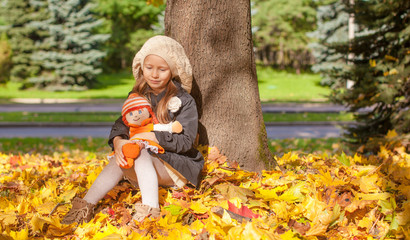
x: 137, y: 116
x: 156, y: 73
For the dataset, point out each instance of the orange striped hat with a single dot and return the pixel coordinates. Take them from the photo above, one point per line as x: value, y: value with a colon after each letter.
x: 135, y: 102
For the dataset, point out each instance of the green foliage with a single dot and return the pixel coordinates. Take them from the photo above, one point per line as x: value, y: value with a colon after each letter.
x: 49, y: 145
x: 306, y: 117
x: 109, y: 86
x: 380, y: 72
x: 62, y: 117
x: 130, y: 23
x: 17, y: 16
x: 5, y: 59
x: 332, y: 28
x: 281, y: 27
x: 73, y: 61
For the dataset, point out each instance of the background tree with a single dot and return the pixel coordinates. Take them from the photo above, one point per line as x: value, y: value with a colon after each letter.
x: 130, y: 23
x: 73, y: 61
x: 17, y: 15
x: 217, y: 38
x: 380, y: 72
x: 5, y: 59
x: 280, y: 32
x: 332, y: 29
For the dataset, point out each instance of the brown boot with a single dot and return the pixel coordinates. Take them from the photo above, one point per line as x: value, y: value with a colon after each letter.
x: 144, y: 211
x: 81, y: 211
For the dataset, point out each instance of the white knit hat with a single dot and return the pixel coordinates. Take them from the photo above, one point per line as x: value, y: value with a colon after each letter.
x: 172, y: 52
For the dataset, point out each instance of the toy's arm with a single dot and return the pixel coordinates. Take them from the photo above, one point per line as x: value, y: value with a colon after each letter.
x: 172, y: 127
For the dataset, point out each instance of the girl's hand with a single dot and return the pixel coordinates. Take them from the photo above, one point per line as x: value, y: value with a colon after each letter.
x: 119, y: 156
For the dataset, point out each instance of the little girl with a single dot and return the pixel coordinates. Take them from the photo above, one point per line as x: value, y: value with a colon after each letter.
x: 163, y: 75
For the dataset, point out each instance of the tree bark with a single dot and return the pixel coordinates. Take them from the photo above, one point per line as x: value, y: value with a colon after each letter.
x: 216, y: 36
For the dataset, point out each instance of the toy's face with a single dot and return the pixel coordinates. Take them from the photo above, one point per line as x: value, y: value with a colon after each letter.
x: 137, y: 116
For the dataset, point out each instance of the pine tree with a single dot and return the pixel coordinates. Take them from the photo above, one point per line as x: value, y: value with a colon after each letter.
x: 380, y: 72
x: 5, y: 59
x: 74, y: 59
x: 332, y: 29
x: 17, y: 15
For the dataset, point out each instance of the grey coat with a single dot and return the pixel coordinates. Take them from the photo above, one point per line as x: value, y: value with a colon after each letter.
x: 179, y: 150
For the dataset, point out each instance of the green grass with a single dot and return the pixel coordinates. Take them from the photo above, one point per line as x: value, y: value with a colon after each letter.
x: 329, y: 146
x: 116, y: 85
x: 59, y: 117
x: 306, y: 117
x: 279, y: 86
x: 47, y: 146
x: 282, y: 86
x: 111, y: 117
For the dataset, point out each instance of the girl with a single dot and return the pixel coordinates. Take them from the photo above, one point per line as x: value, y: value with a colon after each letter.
x: 163, y: 75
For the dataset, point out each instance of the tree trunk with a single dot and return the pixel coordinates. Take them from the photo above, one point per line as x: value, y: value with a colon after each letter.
x: 216, y: 36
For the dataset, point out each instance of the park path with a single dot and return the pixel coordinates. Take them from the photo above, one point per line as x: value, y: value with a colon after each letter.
x: 85, y: 129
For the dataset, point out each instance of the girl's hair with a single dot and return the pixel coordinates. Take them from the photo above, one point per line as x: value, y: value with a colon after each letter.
x: 141, y: 87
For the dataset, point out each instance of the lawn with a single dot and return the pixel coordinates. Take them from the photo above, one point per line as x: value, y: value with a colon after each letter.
x: 282, y: 86
x: 115, y: 85
x: 279, y: 86
x: 99, y: 146
x: 112, y: 116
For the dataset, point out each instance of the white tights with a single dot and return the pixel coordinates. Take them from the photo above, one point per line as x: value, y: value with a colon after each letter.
x: 148, y: 172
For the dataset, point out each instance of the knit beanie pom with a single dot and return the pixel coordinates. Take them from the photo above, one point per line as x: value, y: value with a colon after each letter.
x: 169, y: 50
x: 135, y: 102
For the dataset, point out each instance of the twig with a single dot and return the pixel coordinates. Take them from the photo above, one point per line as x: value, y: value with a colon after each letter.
x: 220, y: 211
x: 58, y: 204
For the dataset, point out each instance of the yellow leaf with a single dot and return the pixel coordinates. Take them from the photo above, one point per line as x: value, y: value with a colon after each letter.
x: 267, y: 194
x: 313, y: 208
x: 368, y: 184
x: 365, y: 223
x: 391, y: 134
x: 235, y: 233
x: 253, y: 232
x: 108, y: 232
x: 230, y: 191
x: 295, y: 193
x: 114, y: 236
x: 404, y: 217
x: 49, y: 227
x: 373, y: 196
x: 289, y: 235
x: 316, y: 229
x: 372, y: 63
x: 5, y: 237
x: 8, y: 219
x: 327, y: 179
x: 67, y: 195
x: 46, y: 207
x: 226, y: 218
x: 23, y: 207
x: 199, y: 207
x: 21, y: 235
x: 236, y: 201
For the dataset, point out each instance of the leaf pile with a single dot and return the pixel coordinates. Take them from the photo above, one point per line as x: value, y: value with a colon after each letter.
x: 316, y: 197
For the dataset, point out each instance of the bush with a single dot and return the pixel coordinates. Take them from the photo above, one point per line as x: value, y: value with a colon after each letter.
x: 5, y: 60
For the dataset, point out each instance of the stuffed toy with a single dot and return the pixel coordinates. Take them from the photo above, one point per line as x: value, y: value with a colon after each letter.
x: 137, y: 114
